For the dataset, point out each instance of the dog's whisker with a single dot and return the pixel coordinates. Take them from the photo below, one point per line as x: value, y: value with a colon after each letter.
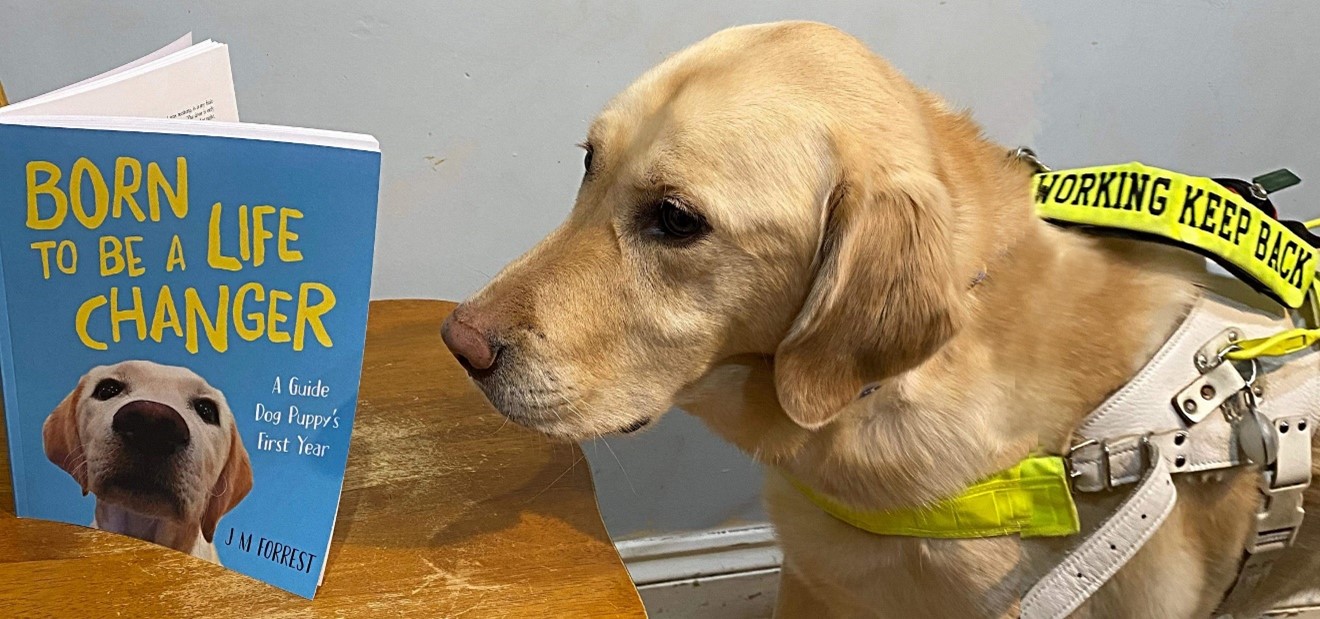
x: 620, y: 463
x: 222, y: 490
x: 556, y: 480
x: 73, y: 461
x: 578, y: 411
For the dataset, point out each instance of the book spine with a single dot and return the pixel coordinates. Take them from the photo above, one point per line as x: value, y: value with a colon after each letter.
x: 9, y: 388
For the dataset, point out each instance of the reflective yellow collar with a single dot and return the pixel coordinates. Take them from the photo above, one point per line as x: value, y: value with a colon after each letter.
x: 1031, y: 499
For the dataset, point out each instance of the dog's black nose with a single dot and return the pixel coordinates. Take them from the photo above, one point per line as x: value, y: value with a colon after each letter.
x: 151, y: 428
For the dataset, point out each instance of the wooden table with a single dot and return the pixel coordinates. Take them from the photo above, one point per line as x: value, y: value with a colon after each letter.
x: 447, y: 512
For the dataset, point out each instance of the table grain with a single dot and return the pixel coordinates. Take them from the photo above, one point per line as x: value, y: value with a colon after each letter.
x: 447, y: 511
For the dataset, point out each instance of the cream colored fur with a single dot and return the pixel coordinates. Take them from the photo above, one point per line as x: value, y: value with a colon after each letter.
x: 197, y: 486
x: 849, y: 213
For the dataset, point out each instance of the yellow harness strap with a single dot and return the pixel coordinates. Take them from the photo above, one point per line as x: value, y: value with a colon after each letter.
x: 1190, y: 210
x: 1277, y: 345
x: 1031, y: 499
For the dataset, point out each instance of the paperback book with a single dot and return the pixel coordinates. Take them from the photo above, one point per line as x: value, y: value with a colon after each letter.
x: 183, y: 307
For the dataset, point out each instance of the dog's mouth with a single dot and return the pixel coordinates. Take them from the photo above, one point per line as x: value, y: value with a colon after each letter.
x: 636, y: 425
x: 140, y: 491
x: 541, y: 425
x: 550, y: 405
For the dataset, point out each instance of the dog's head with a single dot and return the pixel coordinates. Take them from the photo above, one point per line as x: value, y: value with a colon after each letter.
x: 772, y: 191
x: 155, y: 439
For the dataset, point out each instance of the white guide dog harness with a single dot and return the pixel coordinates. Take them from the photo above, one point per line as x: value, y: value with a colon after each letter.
x: 1234, y: 386
x: 1222, y: 420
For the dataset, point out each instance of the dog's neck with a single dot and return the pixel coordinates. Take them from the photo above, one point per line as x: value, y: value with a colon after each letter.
x: 181, y: 536
x: 1056, y: 323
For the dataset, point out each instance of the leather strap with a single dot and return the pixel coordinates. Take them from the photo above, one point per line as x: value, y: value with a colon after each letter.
x: 1101, y: 555
x: 1144, y: 405
x: 1103, y: 465
x: 1138, y: 435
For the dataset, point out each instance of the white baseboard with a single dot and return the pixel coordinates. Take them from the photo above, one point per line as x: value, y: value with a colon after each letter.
x: 698, y: 554
x: 734, y: 574
x: 724, y: 573
x: 745, y: 595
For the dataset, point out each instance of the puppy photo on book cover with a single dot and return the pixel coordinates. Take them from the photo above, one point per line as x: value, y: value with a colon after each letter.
x: 159, y: 448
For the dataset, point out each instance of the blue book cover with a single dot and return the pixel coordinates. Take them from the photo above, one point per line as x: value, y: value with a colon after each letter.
x: 183, y: 310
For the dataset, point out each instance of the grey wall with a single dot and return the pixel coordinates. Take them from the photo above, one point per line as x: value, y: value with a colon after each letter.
x: 478, y: 105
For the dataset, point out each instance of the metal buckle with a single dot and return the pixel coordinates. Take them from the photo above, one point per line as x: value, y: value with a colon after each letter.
x: 1148, y: 456
x: 1068, y: 462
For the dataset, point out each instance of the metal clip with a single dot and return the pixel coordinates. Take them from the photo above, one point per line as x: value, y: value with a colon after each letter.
x: 1023, y: 153
x: 1279, y: 517
x: 1282, y: 445
x: 1212, y: 353
x: 1258, y: 192
x: 1204, y: 395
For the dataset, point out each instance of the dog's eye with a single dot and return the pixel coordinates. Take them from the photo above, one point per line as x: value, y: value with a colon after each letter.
x: 208, y: 410
x: 677, y: 222
x: 107, y: 388
x: 586, y: 158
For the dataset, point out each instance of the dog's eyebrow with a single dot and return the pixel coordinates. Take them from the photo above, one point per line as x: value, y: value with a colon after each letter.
x: 595, y: 134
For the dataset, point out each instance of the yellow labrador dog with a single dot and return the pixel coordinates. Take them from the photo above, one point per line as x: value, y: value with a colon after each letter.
x: 158, y: 447
x: 775, y: 219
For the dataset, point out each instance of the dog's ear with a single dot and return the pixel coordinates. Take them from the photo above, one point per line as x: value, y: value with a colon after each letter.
x: 884, y: 296
x: 234, y: 483
x: 59, y: 436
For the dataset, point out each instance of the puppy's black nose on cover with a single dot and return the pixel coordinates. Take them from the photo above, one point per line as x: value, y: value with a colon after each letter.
x: 469, y: 345
x: 151, y: 428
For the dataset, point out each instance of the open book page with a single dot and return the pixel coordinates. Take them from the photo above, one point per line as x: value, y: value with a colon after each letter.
x: 194, y: 83
x: 178, y: 45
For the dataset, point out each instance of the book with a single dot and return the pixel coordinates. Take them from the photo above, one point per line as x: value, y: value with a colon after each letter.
x: 180, y: 80
x: 183, y: 308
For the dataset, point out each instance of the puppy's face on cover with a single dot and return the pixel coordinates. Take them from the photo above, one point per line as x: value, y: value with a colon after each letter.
x: 156, y: 440
x: 770, y: 191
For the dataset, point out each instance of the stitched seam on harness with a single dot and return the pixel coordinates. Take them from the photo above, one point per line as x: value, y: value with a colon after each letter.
x: 1143, y: 377
x: 1078, y: 597
x: 1074, y: 600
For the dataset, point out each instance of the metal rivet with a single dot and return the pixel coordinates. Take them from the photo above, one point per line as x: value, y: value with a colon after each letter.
x: 1207, y: 391
x: 1180, y: 461
x: 1189, y: 406
x: 1283, y: 427
x: 1257, y: 390
x: 1201, y: 360
x: 1180, y: 438
x: 1233, y: 336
